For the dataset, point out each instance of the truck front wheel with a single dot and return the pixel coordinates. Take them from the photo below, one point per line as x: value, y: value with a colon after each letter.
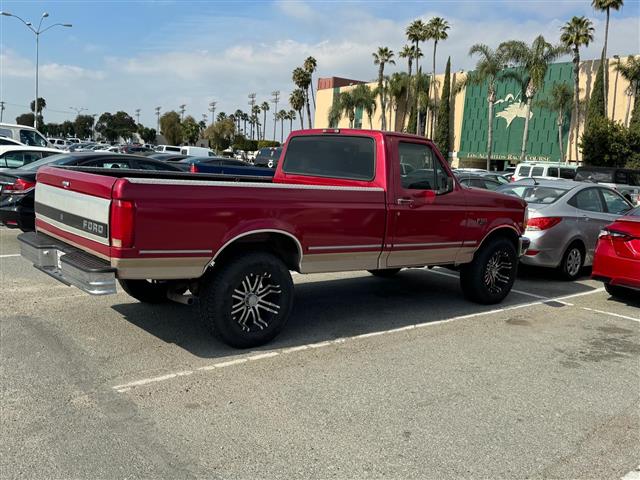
x: 489, y: 278
x: 247, y: 301
x: 146, y: 291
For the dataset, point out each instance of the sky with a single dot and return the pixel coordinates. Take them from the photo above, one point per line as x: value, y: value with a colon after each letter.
x: 128, y: 55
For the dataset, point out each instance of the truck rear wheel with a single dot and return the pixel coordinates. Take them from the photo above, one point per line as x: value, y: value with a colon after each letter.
x: 247, y: 301
x: 146, y: 291
x: 489, y: 278
x: 384, y: 273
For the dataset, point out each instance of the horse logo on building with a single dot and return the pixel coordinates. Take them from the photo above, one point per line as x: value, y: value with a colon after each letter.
x: 514, y: 109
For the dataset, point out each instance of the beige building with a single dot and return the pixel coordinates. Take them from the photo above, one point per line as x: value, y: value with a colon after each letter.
x: 620, y: 104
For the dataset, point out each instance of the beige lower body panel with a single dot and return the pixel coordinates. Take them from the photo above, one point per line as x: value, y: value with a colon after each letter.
x: 339, y: 262
x: 176, y: 268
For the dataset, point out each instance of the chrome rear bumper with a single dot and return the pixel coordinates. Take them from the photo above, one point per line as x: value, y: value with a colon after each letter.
x: 68, y: 264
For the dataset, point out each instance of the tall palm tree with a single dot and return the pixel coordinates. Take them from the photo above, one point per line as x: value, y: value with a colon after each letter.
x: 417, y: 32
x: 436, y: 30
x: 265, y: 109
x: 310, y: 64
x: 489, y: 69
x: 606, y: 6
x: 255, y: 130
x: 365, y: 98
x: 245, y: 119
x: 576, y: 33
x: 282, y: 115
x: 302, y: 79
x: 560, y: 102
x: 238, y: 114
x: 291, y: 116
x: 221, y: 116
x: 296, y: 100
x: 535, y: 61
x: 410, y: 53
x: 383, y: 56
x: 398, y: 84
x: 630, y: 71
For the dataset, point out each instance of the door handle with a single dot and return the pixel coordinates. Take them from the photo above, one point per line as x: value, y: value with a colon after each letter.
x: 404, y: 201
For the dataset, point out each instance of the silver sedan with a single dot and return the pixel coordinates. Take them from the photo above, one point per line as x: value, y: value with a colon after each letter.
x: 565, y: 218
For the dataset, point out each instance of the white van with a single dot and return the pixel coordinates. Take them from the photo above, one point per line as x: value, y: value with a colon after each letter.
x: 23, y: 134
x: 59, y: 143
x: 167, y: 149
x: 545, y: 169
x: 197, y: 152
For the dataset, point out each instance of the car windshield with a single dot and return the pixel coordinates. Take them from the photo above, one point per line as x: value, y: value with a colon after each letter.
x: 52, y: 160
x: 32, y: 138
x: 534, y: 193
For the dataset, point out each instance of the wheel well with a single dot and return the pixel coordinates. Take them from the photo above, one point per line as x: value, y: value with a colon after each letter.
x: 581, y: 245
x: 279, y: 244
x: 504, y: 232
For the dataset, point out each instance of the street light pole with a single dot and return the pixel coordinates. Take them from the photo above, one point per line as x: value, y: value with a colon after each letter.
x: 212, y: 109
x: 158, y: 122
x: 37, y: 33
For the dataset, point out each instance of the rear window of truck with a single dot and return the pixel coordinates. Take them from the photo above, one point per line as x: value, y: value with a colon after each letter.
x: 332, y: 156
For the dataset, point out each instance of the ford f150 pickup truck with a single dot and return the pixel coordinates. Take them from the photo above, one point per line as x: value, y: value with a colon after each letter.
x: 340, y: 200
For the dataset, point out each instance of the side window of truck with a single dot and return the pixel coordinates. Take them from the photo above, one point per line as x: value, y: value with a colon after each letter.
x: 333, y: 156
x: 424, y: 169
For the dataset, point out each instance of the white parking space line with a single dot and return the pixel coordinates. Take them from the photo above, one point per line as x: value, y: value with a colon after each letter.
x: 633, y: 474
x: 636, y: 319
x: 10, y: 256
x: 125, y: 387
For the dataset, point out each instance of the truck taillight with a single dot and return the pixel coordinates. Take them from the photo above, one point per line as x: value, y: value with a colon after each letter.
x: 122, y: 223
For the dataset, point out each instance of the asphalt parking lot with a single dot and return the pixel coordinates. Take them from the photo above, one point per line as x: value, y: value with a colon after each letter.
x: 394, y: 378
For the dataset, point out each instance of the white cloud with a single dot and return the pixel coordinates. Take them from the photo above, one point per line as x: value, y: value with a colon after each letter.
x: 295, y: 9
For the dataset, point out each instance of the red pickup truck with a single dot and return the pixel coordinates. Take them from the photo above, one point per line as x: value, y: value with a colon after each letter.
x: 340, y: 200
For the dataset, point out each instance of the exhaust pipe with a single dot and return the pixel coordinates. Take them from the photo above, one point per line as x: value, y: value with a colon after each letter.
x: 180, y: 298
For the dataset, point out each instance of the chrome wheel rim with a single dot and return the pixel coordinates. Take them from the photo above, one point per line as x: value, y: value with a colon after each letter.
x: 497, y: 274
x: 574, y: 261
x: 255, y: 302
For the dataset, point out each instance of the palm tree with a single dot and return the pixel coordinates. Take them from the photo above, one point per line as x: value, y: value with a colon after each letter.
x: 436, y: 30
x: 606, y: 6
x: 302, y: 79
x: 265, y: 109
x: 535, y: 61
x: 245, y: 119
x: 398, y: 85
x: 238, y: 114
x: 489, y: 69
x: 221, y: 116
x: 365, y: 98
x: 560, y: 101
x: 410, y: 53
x: 383, y: 56
x: 282, y: 115
x: 310, y: 64
x: 296, y: 100
x: 630, y: 71
x: 291, y: 116
x: 576, y: 33
x: 416, y: 33
x: 255, y: 111
x: 347, y: 104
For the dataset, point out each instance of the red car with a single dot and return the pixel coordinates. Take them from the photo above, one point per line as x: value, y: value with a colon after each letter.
x: 617, y: 255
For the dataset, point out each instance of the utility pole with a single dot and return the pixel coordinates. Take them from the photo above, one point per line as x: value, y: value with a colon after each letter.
x: 137, y: 116
x: 158, y: 122
x: 78, y: 110
x: 252, y: 102
x: 1, y: 111
x: 276, y: 97
x: 93, y: 126
x: 212, y: 109
x: 182, y: 110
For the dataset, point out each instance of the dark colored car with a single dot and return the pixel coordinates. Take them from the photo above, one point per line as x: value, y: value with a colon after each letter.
x: 268, y: 157
x: 479, y: 181
x: 223, y: 165
x: 135, y: 149
x: 166, y: 157
x: 17, y: 187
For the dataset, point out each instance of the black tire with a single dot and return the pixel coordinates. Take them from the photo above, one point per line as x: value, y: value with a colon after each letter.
x: 572, y: 262
x: 488, y: 279
x: 250, y: 321
x: 385, y: 273
x: 617, y: 291
x: 146, y: 291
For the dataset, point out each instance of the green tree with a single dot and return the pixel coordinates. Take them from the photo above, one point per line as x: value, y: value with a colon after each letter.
x: 170, y: 127
x: 383, y: 56
x: 345, y: 104
x: 596, y: 102
x: 148, y: 135
x: 365, y: 98
x: 410, y: 53
x: 608, y: 143
x: 559, y: 102
x: 296, y: 100
x: 606, y: 6
x: 437, y: 31
x: 190, y: 130
x: 221, y: 134
x: 83, y: 126
x: 282, y: 116
x: 310, y: 65
x: 221, y: 116
x: 67, y: 129
x: 26, y: 119
x: 535, y: 61
x: 397, y: 86
x: 417, y: 32
x: 576, y: 33
x: 490, y: 68
x: 291, y: 116
x: 443, y: 132
x: 302, y: 79
x: 42, y: 104
x: 630, y: 71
